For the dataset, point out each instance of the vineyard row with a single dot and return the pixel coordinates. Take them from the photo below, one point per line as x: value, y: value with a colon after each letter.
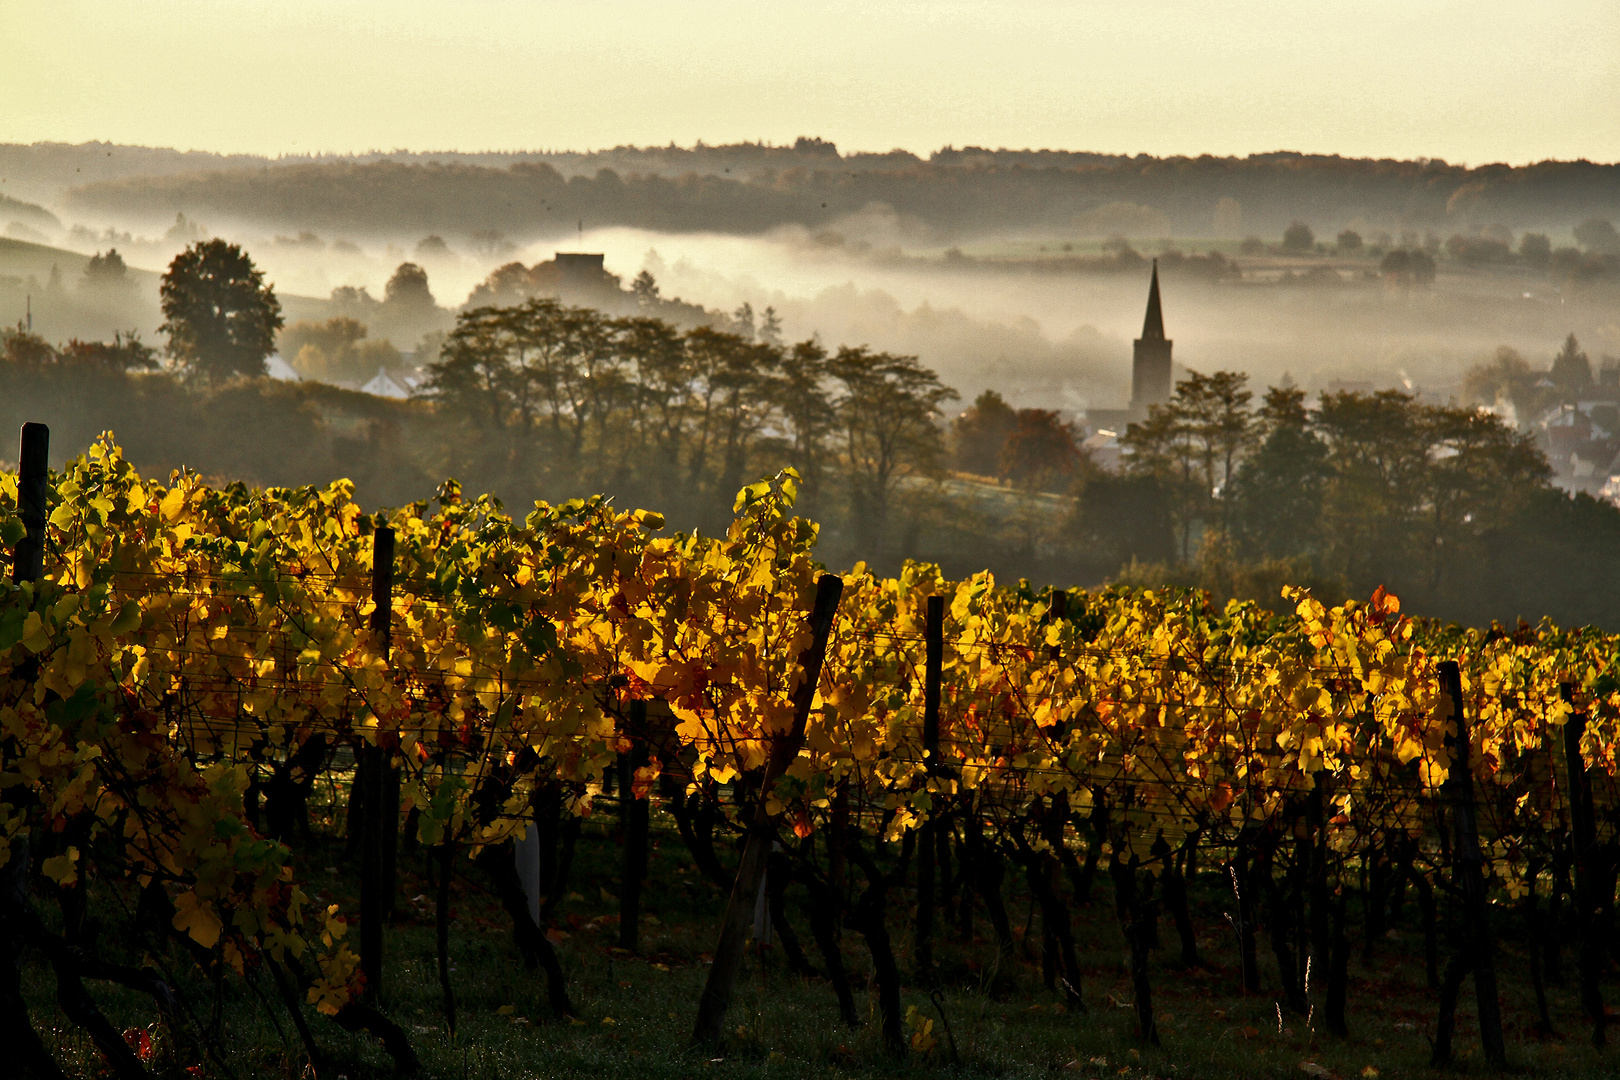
x: 180, y: 663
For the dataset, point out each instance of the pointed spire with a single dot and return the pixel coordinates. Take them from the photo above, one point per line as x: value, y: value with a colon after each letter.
x: 1153, y: 325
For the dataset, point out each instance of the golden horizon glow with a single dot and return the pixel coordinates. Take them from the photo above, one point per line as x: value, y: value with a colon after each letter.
x: 1476, y: 82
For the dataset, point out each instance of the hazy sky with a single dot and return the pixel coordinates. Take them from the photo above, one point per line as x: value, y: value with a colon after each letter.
x: 1466, y: 80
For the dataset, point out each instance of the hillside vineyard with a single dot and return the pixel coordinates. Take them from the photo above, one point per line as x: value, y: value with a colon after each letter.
x: 193, y: 659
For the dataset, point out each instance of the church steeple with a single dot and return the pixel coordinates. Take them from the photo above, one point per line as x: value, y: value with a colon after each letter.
x: 1151, y: 367
x: 1153, y: 325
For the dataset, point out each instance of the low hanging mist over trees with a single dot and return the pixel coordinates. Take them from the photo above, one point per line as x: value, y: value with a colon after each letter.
x: 1225, y: 487
x: 549, y: 377
x: 1002, y: 269
x: 336, y: 350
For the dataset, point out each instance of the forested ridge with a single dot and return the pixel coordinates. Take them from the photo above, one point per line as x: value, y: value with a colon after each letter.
x: 956, y: 192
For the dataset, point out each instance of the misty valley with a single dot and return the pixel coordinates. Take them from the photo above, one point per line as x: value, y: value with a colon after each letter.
x: 941, y: 349
x: 1129, y: 593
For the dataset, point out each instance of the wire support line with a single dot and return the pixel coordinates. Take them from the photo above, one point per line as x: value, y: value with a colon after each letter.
x: 1108, y: 769
x: 205, y: 684
x: 404, y: 641
x: 954, y: 696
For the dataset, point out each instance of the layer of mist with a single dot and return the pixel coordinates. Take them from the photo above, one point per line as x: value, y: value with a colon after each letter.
x: 1021, y: 271
x: 1051, y: 340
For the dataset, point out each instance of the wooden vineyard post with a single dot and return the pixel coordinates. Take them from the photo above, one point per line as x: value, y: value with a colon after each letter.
x: 380, y: 812
x: 28, y: 557
x: 1478, y: 951
x: 23, y: 1045
x: 1588, y: 925
x: 633, y: 819
x: 934, y: 661
x: 728, y: 952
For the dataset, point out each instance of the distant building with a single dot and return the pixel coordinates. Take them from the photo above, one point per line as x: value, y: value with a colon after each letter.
x: 580, y: 268
x: 1610, y: 491
x: 384, y: 385
x: 1102, y: 446
x: 276, y: 366
x: 1150, y: 358
x: 574, y: 277
x: 1152, y: 370
x: 1580, y: 439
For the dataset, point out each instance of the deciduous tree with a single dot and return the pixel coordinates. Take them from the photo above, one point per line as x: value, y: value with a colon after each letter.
x: 126, y: 352
x: 980, y: 432
x: 220, y: 316
x: 1275, y: 497
x: 104, y: 271
x: 890, y: 413
x: 1041, y: 451
x: 1298, y: 238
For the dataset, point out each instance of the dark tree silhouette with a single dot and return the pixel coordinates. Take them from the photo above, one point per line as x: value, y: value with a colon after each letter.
x: 1598, y: 236
x: 889, y: 410
x: 408, y: 309
x: 108, y: 269
x: 646, y: 288
x: 1040, y: 451
x: 1508, y: 375
x: 126, y: 353
x: 1571, y: 368
x: 1276, y: 497
x: 1414, y: 267
x: 1535, y: 249
x: 220, y: 316
x: 26, y: 351
x: 981, y: 431
x: 409, y: 287
x: 1298, y: 238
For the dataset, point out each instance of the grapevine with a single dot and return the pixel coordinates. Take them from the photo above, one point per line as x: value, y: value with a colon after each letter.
x: 195, y: 655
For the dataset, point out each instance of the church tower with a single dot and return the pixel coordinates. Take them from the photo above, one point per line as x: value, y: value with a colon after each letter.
x: 1150, y: 363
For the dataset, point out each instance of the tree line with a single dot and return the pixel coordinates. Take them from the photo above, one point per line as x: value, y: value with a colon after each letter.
x: 1448, y: 505
x: 531, y: 399
x: 537, y: 398
x: 636, y: 405
x: 958, y: 191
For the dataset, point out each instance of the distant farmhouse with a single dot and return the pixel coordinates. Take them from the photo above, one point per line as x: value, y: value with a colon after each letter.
x: 389, y: 386
x: 574, y: 277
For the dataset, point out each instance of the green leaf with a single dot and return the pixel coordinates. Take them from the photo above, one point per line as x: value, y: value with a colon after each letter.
x: 129, y: 618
